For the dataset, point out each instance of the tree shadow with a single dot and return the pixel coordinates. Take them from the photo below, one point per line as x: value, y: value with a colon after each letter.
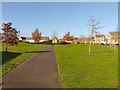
x: 38, y: 52
x: 104, y: 52
x: 110, y: 51
x: 7, y: 56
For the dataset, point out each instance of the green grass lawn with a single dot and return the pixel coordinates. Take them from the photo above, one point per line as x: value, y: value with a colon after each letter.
x: 80, y: 69
x: 17, y: 54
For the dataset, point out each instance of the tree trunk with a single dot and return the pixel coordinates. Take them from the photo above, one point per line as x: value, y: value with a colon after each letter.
x: 89, y: 47
x: 6, y: 48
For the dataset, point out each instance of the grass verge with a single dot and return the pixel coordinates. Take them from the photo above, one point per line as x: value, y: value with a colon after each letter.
x: 80, y: 69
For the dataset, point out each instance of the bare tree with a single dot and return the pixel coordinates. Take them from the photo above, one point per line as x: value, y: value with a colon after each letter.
x: 93, y: 27
x: 36, y: 35
x: 10, y: 35
x: 54, y: 34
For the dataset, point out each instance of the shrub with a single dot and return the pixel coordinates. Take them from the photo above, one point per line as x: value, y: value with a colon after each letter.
x: 64, y: 43
x: 48, y: 42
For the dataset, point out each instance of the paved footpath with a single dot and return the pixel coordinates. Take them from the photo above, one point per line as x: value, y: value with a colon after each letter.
x: 39, y: 71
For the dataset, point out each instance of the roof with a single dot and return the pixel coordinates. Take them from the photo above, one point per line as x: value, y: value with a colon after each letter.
x: 44, y: 38
x: 114, y: 33
x: 84, y: 39
x: 99, y: 36
x: 61, y: 39
x: 23, y: 38
x: 29, y: 38
x: 55, y: 38
x: 75, y: 38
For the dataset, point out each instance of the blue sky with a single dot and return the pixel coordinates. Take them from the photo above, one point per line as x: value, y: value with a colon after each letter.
x: 61, y: 17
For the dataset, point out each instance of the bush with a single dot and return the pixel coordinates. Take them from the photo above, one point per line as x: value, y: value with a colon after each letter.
x: 20, y: 41
x: 78, y: 42
x: 48, y: 42
x: 64, y: 43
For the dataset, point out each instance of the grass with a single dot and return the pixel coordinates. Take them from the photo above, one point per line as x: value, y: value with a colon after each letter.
x: 80, y: 69
x: 17, y: 54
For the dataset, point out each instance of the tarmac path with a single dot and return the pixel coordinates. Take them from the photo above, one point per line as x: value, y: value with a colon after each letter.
x: 39, y: 71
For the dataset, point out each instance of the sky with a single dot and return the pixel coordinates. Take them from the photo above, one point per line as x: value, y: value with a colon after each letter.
x: 61, y: 17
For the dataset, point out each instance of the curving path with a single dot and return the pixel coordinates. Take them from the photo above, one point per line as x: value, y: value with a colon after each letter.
x: 39, y: 71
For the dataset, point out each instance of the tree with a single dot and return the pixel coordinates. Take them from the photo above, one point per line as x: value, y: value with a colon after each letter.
x: 36, y: 35
x: 54, y: 34
x: 93, y: 27
x: 10, y: 35
x: 54, y: 37
x: 68, y: 37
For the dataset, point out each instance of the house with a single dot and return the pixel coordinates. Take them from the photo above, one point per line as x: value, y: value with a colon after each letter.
x: 106, y: 40
x: 55, y: 40
x: 75, y: 40
x: 114, y: 38
x: 99, y: 39
x: 22, y: 39
x: 44, y: 39
x: 85, y: 40
x: 68, y: 41
x: 31, y: 40
x: 61, y: 40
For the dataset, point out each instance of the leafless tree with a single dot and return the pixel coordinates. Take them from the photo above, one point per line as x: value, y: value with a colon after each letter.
x: 94, y: 26
x: 54, y: 34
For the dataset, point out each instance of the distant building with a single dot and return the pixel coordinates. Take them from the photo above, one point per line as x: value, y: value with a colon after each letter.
x: 22, y: 39
x: 55, y: 40
x: 114, y: 38
x: 75, y: 40
x: 61, y: 40
x: 85, y: 40
x: 44, y: 39
x: 31, y: 40
x: 99, y: 39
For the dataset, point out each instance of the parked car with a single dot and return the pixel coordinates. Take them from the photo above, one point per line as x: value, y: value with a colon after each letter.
x: 117, y: 44
x: 103, y: 43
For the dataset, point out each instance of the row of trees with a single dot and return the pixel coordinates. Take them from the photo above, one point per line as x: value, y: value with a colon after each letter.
x: 11, y: 34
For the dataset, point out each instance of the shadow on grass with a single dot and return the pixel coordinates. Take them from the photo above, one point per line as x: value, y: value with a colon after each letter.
x: 38, y: 52
x: 7, y: 56
x: 98, y: 53
x: 110, y: 51
x: 105, y: 51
